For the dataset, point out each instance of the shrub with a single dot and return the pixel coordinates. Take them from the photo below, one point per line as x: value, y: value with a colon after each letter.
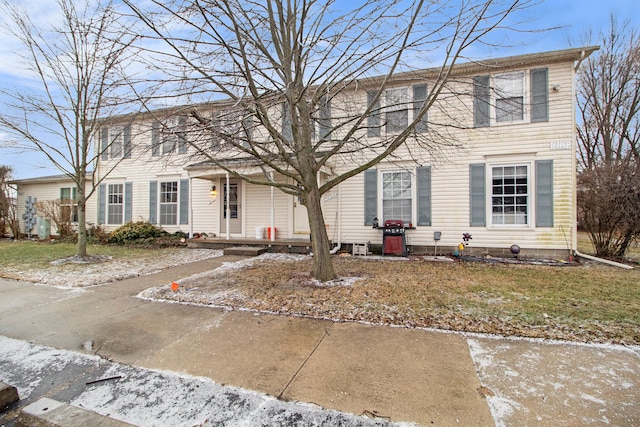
x: 133, y: 231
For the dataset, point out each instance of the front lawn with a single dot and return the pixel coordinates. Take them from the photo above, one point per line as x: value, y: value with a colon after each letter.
x: 31, y: 254
x: 589, y: 303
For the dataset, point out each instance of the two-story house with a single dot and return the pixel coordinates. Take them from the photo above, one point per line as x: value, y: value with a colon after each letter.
x: 503, y: 168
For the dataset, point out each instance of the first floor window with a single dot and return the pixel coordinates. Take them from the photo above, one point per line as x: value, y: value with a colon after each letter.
x: 510, y: 195
x: 396, y: 196
x: 169, y: 203
x: 115, y: 204
x: 69, y: 204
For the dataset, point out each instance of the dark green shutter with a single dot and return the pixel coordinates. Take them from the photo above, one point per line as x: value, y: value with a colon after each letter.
x: 128, y: 201
x: 419, y: 98
x: 102, y: 201
x: 153, y: 202
x: 104, y: 143
x: 481, y: 101
x: 325, y: 118
x: 544, y: 193
x: 370, y: 196
x: 539, y: 95
x: 477, y: 203
x: 373, y: 119
x: 182, y: 135
x: 423, y: 179
x: 155, y: 138
x: 127, y: 142
x: 184, y: 201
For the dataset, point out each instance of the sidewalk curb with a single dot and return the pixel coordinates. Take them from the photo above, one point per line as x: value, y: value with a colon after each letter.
x: 47, y: 412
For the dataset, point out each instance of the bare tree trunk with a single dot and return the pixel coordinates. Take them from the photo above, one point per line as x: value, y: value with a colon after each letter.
x: 322, y: 264
x: 81, y: 247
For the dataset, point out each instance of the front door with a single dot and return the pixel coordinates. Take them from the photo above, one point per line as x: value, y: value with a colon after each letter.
x: 235, y: 208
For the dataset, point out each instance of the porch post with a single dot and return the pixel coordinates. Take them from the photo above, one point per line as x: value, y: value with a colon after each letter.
x: 228, y: 206
x: 190, y: 207
x: 273, y: 213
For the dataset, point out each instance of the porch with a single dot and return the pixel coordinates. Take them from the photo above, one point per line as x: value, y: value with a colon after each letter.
x: 292, y: 246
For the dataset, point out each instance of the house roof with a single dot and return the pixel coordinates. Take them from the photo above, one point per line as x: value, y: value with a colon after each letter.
x: 45, y: 179
x: 459, y: 69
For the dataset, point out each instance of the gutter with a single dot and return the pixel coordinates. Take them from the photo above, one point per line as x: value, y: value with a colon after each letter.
x: 605, y: 261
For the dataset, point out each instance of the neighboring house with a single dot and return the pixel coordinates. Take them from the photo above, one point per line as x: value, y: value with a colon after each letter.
x: 56, y: 187
x: 510, y: 180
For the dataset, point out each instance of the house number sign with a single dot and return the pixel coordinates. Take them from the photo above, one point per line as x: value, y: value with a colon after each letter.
x: 560, y: 145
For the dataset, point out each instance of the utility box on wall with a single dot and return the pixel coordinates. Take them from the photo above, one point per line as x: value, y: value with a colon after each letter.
x: 43, y: 226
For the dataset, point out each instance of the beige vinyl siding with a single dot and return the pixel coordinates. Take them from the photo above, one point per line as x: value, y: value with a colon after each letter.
x: 498, y: 144
x: 258, y: 210
x: 142, y: 168
x: 204, y: 210
x: 511, y: 143
x: 50, y: 190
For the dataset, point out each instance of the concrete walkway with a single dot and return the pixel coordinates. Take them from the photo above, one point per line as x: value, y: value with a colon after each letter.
x: 426, y: 377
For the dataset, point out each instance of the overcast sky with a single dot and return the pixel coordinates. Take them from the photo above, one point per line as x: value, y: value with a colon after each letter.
x: 572, y: 17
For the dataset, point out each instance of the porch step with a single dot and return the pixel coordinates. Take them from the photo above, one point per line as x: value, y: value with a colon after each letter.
x: 245, y: 250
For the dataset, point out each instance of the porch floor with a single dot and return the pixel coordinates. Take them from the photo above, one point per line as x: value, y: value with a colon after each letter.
x: 297, y: 246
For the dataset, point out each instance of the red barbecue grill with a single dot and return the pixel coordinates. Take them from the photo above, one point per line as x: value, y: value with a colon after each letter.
x: 394, y: 241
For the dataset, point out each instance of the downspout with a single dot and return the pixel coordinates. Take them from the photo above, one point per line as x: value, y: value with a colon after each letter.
x: 605, y: 261
x: 228, y: 210
x: 339, y: 225
x: 273, y: 212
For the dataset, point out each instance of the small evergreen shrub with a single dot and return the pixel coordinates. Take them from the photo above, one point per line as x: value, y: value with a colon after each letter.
x: 135, y: 231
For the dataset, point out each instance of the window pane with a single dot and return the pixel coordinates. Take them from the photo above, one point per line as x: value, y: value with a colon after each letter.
x: 507, y: 208
x: 509, y: 90
x: 169, y: 203
x: 397, y: 111
x: 397, y: 121
x: 397, y: 197
x: 115, y: 204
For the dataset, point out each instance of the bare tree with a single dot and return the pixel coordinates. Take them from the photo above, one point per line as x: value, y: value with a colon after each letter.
x: 60, y: 212
x: 8, y: 214
x: 609, y: 141
x: 79, y: 71
x: 292, y: 72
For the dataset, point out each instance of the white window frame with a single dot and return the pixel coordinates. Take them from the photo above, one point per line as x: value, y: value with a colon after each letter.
x: 396, y: 100
x: 384, y: 196
x: 509, y: 92
x: 115, y: 201
x: 116, y: 142
x: 71, y: 203
x: 166, y: 205
x: 530, y: 193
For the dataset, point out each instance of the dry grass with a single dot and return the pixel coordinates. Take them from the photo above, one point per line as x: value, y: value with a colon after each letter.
x: 584, y: 303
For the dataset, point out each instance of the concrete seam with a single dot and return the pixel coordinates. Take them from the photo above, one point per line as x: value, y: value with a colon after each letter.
x: 293, y: 377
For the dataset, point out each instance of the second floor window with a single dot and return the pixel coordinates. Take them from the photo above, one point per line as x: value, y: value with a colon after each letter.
x: 516, y: 97
x: 509, y: 92
x: 169, y: 137
x: 397, y: 110
x: 115, y: 142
